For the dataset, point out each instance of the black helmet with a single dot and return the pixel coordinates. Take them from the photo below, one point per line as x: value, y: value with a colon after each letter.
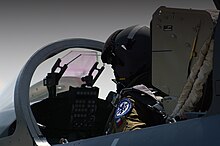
x: 130, y: 54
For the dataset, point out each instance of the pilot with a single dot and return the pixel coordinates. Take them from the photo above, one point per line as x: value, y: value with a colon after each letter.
x: 138, y: 103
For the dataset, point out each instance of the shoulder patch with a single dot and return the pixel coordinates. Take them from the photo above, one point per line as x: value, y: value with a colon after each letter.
x: 124, y: 107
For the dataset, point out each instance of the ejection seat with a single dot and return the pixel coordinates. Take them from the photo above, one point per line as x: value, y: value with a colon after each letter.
x: 182, y: 60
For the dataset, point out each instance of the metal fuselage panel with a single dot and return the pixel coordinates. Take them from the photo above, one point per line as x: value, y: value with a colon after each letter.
x: 196, y: 132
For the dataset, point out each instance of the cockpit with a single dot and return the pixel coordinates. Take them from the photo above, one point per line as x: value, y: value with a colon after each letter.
x: 71, y: 107
x: 59, y: 94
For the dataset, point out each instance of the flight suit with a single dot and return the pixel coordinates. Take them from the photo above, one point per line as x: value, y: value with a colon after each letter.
x: 136, y: 109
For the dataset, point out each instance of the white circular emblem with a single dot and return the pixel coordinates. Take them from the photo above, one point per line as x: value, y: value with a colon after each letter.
x: 123, y: 108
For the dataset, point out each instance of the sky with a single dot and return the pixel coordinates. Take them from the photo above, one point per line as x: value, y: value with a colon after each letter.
x: 26, y: 26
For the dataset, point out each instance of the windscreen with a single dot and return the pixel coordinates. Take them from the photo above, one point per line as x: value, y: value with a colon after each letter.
x: 79, y: 63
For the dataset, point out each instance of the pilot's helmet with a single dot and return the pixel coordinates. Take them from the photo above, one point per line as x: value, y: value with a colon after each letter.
x: 129, y: 52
